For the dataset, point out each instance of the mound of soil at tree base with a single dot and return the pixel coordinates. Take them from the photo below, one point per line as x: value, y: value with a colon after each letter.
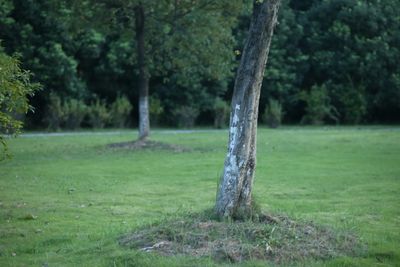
x: 150, y: 145
x: 272, y: 238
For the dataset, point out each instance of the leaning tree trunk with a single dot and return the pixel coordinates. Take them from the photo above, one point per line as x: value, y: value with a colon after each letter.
x: 235, y: 188
x: 144, y: 120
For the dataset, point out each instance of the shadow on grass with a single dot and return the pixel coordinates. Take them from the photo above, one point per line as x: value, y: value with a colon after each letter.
x: 148, y: 145
x: 270, y: 237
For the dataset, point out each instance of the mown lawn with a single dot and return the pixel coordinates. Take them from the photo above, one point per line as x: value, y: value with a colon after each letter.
x: 65, y: 200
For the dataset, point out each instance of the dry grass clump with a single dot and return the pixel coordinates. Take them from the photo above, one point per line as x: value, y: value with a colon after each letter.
x: 274, y: 238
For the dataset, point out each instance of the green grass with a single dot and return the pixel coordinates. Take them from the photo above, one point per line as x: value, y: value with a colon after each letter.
x: 86, y: 196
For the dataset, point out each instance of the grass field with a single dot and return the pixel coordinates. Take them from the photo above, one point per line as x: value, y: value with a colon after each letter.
x: 65, y: 200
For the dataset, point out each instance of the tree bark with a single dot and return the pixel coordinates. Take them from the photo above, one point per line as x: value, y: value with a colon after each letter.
x: 144, y: 120
x: 234, y: 196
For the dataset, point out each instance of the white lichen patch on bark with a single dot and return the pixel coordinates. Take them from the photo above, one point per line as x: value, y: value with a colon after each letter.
x: 144, y: 120
x: 234, y: 129
x: 232, y: 168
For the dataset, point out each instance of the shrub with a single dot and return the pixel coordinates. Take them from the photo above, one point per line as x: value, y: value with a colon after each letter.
x: 74, y: 111
x: 155, y: 109
x: 318, y: 106
x: 98, y: 114
x: 221, y: 113
x: 54, y: 113
x: 119, y: 112
x: 355, y: 106
x: 273, y: 113
x: 15, y: 89
x: 185, y: 116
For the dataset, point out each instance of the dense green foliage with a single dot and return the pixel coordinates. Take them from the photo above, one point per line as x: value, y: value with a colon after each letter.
x: 86, y: 49
x: 72, y: 114
x: 351, y: 48
x: 119, y: 112
x: 15, y: 88
x: 273, y: 113
x: 84, y: 196
x: 221, y: 113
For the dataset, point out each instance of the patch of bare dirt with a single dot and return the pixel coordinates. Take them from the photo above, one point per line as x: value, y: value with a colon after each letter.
x: 274, y: 238
x: 148, y: 145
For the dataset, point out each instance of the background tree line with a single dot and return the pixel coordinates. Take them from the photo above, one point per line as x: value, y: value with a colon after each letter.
x: 333, y: 61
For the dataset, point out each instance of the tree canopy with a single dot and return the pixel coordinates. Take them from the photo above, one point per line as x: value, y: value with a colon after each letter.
x: 337, y: 55
x: 15, y: 88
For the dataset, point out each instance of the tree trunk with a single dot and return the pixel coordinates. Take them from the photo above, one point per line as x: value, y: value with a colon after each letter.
x: 144, y: 120
x: 234, y: 198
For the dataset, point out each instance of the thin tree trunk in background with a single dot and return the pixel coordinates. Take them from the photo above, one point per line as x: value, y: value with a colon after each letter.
x: 234, y: 196
x: 144, y: 120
